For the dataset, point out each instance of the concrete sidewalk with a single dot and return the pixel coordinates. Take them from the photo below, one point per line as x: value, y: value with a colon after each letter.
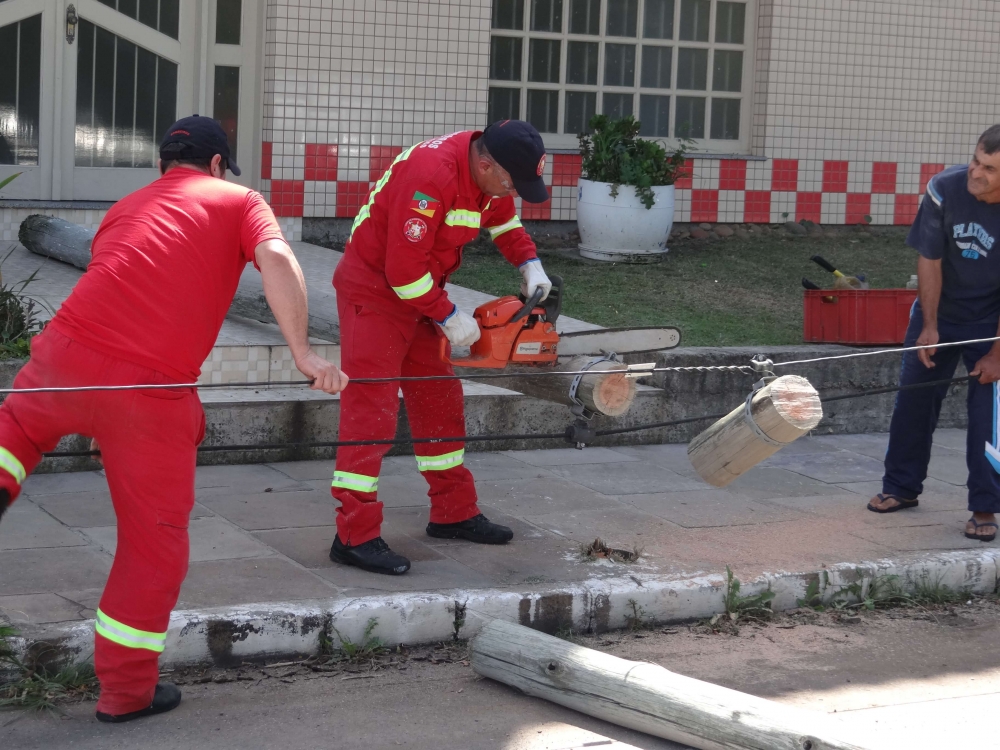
x: 260, y: 536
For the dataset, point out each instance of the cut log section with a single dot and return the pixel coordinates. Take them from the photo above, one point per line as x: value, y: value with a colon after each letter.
x: 610, y: 394
x: 781, y: 412
x: 57, y: 238
x: 646, y: 697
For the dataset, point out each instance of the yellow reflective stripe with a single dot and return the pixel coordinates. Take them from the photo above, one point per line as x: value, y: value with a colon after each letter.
x: 10, y: 464
x: 503, y: 228
x: 459, y: 217
x: 128, y: 637
x: 442, y: 462
x: 419, y: 287
x: 366, y: 209
x: 358, y: 482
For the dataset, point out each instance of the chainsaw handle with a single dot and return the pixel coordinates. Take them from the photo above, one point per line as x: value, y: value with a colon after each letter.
x: 809, y: 284
x: 529, y: 305
x: 444, y: 350
x: 823, y: 263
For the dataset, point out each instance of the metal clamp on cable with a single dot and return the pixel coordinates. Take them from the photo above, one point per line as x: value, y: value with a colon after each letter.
x: 640, y: 371
x: 748, y: 418
x: 580, y: 432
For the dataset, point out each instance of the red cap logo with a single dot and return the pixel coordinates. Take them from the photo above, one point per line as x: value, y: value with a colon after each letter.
x: 180, y: 132
x: 541, y: 165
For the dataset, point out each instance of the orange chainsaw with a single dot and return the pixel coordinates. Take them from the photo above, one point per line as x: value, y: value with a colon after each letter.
x: 519, y: 331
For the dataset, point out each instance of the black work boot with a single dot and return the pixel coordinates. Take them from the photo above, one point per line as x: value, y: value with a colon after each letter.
x: 4, y: 501
x: 477, y: 529
x: 166, y: 698
x: 373, y: 556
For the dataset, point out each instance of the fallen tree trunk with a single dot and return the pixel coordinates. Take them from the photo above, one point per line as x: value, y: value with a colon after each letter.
x: 57, y: 238
x: 646, y: 697
x: 610, y: 394
x: 781, y: 412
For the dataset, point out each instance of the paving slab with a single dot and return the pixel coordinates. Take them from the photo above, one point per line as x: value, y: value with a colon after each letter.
x: 27, y: 526
x: 831, y: 467
x: 38, y: 571
x: 628, y: 478
x: 702, y: 508
x: 218, y: 583
x: 39, y: 609
x: 211, y: 539
x: 274, y: 510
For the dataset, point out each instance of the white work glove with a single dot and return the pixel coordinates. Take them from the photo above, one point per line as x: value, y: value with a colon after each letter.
x: 460, y: 328
x: 534, y: 278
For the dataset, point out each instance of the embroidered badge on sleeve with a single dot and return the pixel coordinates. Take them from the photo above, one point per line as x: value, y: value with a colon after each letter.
x: 415, y: 229
x: 424, y: 204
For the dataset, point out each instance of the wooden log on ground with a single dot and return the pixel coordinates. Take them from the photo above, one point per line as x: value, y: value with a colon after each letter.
x: 57, y: 238
x: 646, y: 697
x: 782, y: 411
x: 610, y: 394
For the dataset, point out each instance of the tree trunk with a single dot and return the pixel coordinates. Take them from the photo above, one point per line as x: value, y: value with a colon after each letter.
x: 646, y: 697
x: 57, y: 238
x: 609, y: 394
x: 783, y: 410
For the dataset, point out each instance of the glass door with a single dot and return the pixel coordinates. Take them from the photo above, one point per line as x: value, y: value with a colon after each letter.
x: 27, y: 31
x: 88, y: 88
x: 128, y: 71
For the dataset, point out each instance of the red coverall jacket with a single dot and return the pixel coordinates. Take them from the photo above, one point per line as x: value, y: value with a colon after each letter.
x: 407, y: 239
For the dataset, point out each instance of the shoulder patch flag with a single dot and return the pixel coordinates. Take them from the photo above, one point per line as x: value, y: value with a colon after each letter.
x: 424, y: 204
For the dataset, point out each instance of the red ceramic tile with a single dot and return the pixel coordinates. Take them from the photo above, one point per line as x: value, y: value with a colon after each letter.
x: 884, y: 177
x: 536, y: 211
x: 321, y: 162
x: 906, y: 209
x: 685, y: 182
x: 809, y: 206
x: 732, y: 174
x: 266, y: 155
x: 565, y: 170
x: 351, y: 196
x: 704, y: 205
x: 381, y: 159
x: 834, y: 176
x: 785, y: 175
x: 926, y: 172
x: 287, y: 197
x: 859, y: 205
x: 757, y: 206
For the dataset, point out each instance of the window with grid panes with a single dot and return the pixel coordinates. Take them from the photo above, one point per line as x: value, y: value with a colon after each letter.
x: 679, y: 66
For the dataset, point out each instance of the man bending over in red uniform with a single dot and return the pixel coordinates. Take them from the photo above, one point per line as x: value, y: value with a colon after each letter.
x: 165, y: 267
x: 405, y: 243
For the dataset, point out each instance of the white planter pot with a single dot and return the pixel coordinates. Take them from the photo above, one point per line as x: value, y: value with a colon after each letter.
x: 622, y: 229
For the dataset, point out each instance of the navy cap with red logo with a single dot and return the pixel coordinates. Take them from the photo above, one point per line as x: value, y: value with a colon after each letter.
x: 518, y: 148
x: 197, y: 137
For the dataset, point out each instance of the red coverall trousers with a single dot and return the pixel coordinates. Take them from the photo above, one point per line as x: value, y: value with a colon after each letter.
x: 377, y: 344
x: 148, y: 442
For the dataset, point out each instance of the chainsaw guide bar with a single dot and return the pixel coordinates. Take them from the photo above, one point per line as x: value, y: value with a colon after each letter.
x: 618, y: 340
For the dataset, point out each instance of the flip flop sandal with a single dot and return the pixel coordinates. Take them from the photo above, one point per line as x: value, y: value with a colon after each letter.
x: 978, y: 526
x: 902, y: 504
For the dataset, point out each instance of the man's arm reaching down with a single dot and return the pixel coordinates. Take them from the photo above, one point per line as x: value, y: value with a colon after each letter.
x: 285, y: 290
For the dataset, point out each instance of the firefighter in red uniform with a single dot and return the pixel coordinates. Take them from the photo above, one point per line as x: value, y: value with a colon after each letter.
x: 165, y: 267
x: 393, y: 308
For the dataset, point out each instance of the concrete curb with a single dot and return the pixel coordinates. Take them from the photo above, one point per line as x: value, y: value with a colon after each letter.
x: 232, y: 635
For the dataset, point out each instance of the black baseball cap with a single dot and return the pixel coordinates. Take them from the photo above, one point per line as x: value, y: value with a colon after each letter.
x: 518, y: 148
x: 197, y: 137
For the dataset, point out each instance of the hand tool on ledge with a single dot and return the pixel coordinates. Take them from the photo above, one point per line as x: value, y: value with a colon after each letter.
x: 841, y: 281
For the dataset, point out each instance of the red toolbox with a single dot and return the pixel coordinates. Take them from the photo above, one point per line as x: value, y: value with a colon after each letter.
x: 863, y: 316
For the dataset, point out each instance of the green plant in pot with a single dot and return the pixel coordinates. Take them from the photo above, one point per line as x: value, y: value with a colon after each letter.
x: 625, y: 225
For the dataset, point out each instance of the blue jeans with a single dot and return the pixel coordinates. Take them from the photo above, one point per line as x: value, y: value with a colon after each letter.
x: 916, y: 414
